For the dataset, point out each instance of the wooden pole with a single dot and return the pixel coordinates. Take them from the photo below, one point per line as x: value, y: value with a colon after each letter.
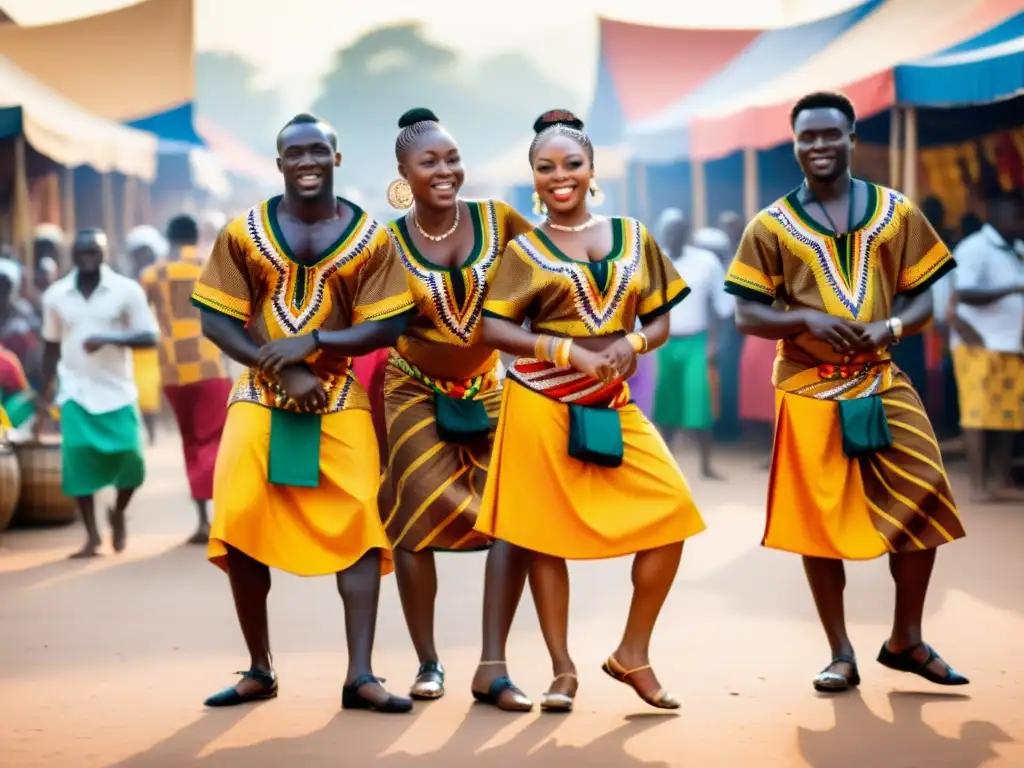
x: 67, y: 215
x: 910, y: 154
x: 700, y: 194
x: 895, y: 135
x: 109, y: 219
x: 21, y: 225
x: 130, y: 203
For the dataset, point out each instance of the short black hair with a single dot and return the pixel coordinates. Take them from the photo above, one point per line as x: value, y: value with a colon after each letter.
x: 824, y: 100
x: 88, y: 233
x: 183, y: 230
x: 305, y: 118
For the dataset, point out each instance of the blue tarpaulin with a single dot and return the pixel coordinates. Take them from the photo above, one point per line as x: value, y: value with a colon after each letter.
x: 986, y: 68
x: 665, y: 137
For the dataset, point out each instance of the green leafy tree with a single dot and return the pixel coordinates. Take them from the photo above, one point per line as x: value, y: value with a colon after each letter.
x: 227, y: 95
x: 489, y: 108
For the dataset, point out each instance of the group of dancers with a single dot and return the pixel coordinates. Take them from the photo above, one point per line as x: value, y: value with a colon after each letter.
x: 553, y: 462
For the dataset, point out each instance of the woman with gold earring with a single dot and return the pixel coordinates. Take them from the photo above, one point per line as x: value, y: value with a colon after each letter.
x: 577, y: 471
x: 441, y: 395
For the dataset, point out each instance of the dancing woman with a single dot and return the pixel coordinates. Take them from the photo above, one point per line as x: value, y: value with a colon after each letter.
x: 577, y: 471
x: 442, y: 395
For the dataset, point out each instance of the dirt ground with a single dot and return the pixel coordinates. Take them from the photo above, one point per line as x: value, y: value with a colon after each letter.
x: 106, y: 663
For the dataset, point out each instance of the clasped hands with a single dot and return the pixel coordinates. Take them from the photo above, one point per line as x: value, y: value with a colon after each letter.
x: 849, y: 337
x: 602, y: 359
x: 283, y: 360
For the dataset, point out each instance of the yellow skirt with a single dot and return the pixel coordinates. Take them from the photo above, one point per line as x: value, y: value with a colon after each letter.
x: 990, y: 386
x: 539, y: 498
x: 304, y: 531
x: 823, y: 504
x: 146, y: 363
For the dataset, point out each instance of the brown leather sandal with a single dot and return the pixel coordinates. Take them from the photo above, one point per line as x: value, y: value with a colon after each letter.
x: 661, y: 700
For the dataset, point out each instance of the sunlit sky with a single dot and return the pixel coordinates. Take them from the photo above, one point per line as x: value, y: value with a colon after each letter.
x: 292, y: 41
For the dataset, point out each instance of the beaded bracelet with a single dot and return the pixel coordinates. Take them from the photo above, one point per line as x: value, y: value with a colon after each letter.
x: 639, y: 341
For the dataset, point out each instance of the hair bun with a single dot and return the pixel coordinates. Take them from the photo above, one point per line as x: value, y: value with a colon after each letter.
x: 557, y: 117
x: 417, y: 115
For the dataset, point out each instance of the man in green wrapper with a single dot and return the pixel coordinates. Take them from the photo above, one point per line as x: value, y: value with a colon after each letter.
x: 92, y: 320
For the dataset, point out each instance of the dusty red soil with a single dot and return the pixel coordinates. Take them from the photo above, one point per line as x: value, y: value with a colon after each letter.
x: 107, y: 663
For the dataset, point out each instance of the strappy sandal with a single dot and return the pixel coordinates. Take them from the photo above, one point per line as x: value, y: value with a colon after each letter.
x: 230, y: 697
x: 429, y: 682
x: 661, y: 700
x: 905, y: 661
x: 352, y: 699
x: 559, y: 702
x: 828, y: 681
x: 492, y: 697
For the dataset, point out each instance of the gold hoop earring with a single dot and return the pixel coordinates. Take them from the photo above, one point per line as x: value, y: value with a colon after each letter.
x: 400, y: 194
x: 596, y: 193
x: 539, y: 208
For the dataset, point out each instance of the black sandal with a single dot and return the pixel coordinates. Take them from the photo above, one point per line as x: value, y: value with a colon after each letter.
x: 828, y: 681
x: 905, y: 661
x: 352, y: 699
x: 230, y: 697
x: 429, y: 682
x: 498, y: 687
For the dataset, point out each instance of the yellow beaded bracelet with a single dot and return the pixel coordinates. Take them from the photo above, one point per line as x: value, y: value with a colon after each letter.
x: 639, y: 341
x: 562, y: 350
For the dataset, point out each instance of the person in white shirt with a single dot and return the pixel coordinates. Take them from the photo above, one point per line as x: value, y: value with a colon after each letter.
x: 92, y: 320
x: 987, y: 341
x: 682, y: 399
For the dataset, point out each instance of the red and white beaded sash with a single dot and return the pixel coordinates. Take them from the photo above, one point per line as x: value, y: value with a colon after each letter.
x: 567, y: 385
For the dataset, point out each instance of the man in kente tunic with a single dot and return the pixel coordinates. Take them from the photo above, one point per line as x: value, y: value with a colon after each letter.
x: 297, y: 473
x: 856, y: 471
x: 195, y: 379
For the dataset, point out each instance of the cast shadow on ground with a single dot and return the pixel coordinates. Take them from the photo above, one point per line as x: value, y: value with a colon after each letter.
x: 355, y: 738
x: 861, y: 737
x: 985, y: 565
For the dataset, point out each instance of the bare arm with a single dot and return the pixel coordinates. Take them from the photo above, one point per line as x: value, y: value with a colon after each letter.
x: 366, y: 337
x: 130, y: 339
x: 51, y: 357
x: 981, y: 297
x: 231, y: 337
x: 506, y: 336
x: 917, y: 313
x: 656, y: 331
x: 756, y: 319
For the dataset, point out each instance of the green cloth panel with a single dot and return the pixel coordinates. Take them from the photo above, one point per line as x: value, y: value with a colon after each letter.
x: 20, y: 407
x: 100, y: 450
x: 864, y: 426
x: 682, y: 399
x: 294, y: 449
x: 595, y: 435
x: 460, y: 420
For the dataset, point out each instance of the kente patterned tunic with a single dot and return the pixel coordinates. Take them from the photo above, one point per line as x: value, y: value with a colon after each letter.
x: 821, y: 501
x: 253, y: 276
x: 431, y: 491
x: 537, y: 495
x: 298, y: 490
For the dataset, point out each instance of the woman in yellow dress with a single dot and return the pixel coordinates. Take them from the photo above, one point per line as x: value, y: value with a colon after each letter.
x: 442, y: 394
x: 577, y: 471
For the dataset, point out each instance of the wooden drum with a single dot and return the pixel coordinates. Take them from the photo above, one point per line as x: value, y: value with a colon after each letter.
x: 42, y: 502
x: 10, y: 483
